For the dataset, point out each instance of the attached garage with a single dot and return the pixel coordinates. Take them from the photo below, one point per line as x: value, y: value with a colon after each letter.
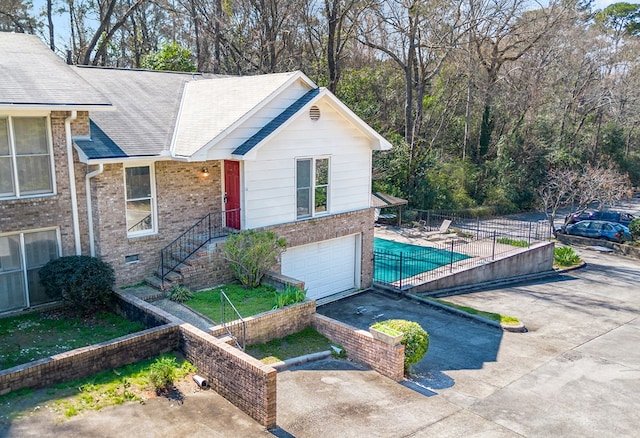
x: 326, y: 267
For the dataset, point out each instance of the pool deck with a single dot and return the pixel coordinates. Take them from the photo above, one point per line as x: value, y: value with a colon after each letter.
x: 483, y: 248
x: 481, y: 251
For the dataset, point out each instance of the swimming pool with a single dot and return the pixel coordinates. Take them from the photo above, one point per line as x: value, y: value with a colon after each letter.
x: 395, y: 261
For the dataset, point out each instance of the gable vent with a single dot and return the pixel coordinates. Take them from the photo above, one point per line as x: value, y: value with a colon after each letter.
x: 314, y: 113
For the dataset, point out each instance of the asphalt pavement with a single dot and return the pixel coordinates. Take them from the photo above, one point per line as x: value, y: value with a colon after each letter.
x: 575, y: 373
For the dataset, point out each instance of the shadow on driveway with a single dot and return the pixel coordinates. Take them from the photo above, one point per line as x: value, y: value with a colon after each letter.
x: 455, y: 342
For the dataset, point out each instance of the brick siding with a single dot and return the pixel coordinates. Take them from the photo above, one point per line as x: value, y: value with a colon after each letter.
x: 361, y: 347
x: 50, y: 210
x: 183, y: 197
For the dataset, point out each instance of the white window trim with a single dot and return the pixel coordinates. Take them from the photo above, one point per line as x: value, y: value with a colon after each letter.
x: 23, y: 254
x: 13, y: 157
x: 154, y: 208
x: 313, y: 213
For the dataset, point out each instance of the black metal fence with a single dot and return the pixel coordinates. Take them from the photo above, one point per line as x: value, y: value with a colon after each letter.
x: 467, y: 242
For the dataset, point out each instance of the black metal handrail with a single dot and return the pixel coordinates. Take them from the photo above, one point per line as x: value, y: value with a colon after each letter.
x: 189, y: 242
x: 235, y: 326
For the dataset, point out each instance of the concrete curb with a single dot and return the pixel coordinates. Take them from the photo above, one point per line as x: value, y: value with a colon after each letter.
x: 295, y: 361
x: 491, y: 284
x: 520, y: 328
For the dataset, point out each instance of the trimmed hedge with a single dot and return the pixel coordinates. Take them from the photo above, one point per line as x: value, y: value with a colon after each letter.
x: 416, y: 340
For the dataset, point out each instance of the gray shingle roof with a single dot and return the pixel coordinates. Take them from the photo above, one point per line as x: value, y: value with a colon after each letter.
x: 211, y: 108
x: 276, y: 123
x: 99, y: 145
x: 147, y: 106
x: 31, y: 74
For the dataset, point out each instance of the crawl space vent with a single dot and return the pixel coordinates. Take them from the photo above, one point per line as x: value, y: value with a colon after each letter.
x: 314, y: 113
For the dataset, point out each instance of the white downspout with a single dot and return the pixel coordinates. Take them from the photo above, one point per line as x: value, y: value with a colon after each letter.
x: 72, y: 181
x: 98, y: 171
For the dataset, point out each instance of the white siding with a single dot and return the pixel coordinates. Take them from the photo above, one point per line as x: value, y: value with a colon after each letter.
x: 225, y: 147
x: 269, y: 181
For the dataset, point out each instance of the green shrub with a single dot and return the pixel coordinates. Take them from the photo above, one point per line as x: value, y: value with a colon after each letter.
x: 179, y: 294
x: 634, y: 228
x: 290, y: 295
x: 565, y: 256
x: 83, y: 282
x: 416, y: 339
x: 162, y: 372
x: 252, y: 253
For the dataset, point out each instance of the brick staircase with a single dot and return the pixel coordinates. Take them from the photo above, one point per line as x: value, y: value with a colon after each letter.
x: 202, y: 269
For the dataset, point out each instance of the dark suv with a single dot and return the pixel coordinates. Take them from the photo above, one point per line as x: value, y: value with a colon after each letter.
x: 609, y: 216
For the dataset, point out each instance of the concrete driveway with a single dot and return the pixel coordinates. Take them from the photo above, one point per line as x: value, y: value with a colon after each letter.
x: 575, y: 373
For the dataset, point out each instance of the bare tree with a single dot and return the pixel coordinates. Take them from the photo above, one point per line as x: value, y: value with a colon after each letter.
x: 602, y: 184
x: 558, y: 191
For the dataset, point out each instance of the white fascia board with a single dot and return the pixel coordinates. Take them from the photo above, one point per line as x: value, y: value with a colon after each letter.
x: 125, y: 160
x: 82, y: 157
x: 380, y: 143
x: 297, y: 76
x: 172, y: 146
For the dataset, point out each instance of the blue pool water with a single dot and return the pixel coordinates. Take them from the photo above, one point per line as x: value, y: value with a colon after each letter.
x: 396, y: 260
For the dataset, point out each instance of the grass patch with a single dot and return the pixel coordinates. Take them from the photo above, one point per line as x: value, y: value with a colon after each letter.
x: 513, y: 242
x: 503, y: 319
x: 107, y: 388
x: 247, y: 301
x: 37, y: 335
x: 304, y: 342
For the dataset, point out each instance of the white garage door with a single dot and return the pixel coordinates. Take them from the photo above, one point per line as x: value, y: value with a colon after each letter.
x: 326, y: 267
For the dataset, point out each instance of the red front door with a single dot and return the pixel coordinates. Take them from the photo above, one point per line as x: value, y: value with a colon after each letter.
x: 232, y: 193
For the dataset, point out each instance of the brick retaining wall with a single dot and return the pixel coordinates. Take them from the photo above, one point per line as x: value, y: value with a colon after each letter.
x: 361, y: 347
x: 243, y: 380
x: 83, y: 362
x: 275, y: 324
x: 240, y: 378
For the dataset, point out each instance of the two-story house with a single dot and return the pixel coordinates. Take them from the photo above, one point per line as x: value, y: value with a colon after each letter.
x: 140, y: 168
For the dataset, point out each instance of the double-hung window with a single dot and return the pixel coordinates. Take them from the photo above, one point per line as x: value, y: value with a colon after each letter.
x: 21, y: 257
x: 312, y: 187
x: 140, y: 200
x: 25, y: 157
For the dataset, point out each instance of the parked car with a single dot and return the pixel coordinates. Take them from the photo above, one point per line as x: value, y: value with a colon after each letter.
x: 611, y: 231
x: 609, y: 216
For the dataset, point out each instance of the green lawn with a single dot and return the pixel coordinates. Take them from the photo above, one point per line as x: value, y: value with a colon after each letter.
x: 304, y: 342
x: 247, y: 301
x: 37, y: 335
x: 107, y: 388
